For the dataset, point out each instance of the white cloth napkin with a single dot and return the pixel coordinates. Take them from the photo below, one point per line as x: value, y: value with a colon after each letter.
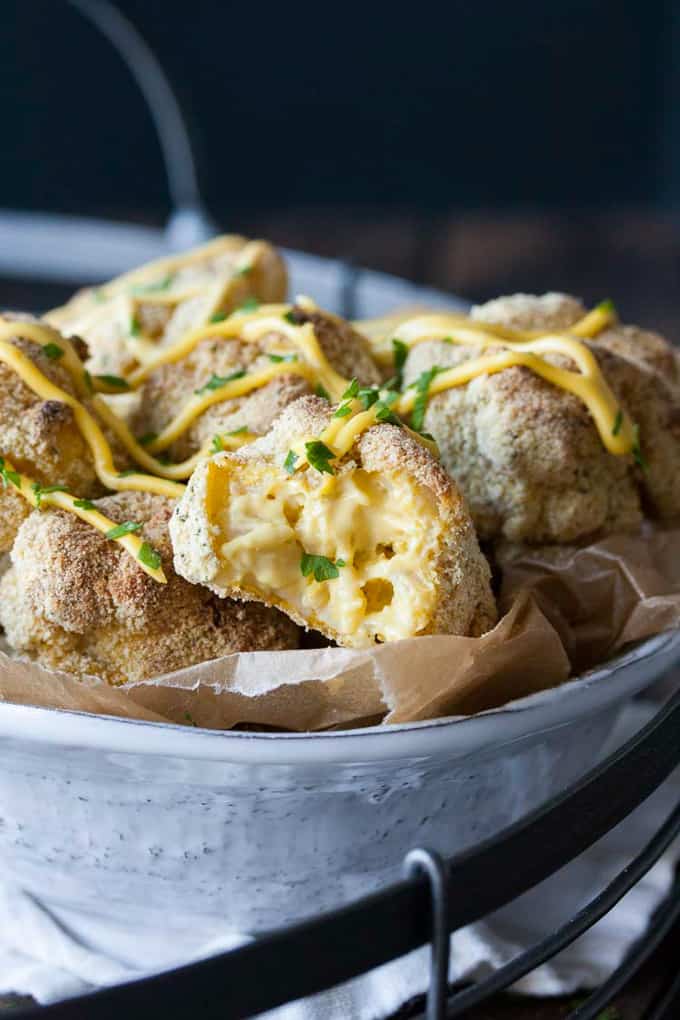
x: 52, y: 955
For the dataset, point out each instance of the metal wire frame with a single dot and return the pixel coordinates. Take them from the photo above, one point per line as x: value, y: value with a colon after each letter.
x: 316, y: 954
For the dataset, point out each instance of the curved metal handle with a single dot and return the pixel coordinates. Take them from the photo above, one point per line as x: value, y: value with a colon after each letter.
x: 190, y: 222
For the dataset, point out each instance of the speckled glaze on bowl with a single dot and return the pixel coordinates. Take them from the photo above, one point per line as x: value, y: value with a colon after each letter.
x: 111, y: 816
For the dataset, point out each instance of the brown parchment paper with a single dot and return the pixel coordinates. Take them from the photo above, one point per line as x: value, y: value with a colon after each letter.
x: 562, y: 610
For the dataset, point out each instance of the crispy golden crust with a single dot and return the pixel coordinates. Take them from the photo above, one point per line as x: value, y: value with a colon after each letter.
x: 77, y: 602
x: 171, y: 385
x: 40, y: 437
x: 460, y: 573
x: 206, y: 275
x: 527, y: 455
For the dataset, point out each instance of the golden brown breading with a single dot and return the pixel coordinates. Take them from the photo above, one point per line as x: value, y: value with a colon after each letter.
x: 527, y: 454
x: 77, y: 602
x: 160, y: 301
x: 170, y: 386
x: 40, y: 437
x: 403, y: 553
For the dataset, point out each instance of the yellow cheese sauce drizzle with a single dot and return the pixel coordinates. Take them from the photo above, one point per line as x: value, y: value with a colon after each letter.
x: 32, y: 493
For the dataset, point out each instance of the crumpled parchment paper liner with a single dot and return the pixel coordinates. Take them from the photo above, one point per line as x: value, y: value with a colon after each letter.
x: 603, y: 595
x: 564, y: 610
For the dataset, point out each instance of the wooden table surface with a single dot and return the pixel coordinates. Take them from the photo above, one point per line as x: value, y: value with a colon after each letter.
x: 629, y: 255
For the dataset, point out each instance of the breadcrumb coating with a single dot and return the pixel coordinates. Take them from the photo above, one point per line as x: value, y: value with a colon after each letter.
x: 207, y: 275
x: 39, y: 436
x: 77, y: 602
x: 453, y: 567
x: 170, y: 386
x: 527, y: 454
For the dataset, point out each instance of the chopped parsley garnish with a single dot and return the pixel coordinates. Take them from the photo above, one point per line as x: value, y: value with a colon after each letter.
x: 218, y: 317
x: 251, y: 304
x: 128, y: 472
x: 352, y: 391
x: 147, y: 438
x: 114, y: 381
x: 369, y: 396
x: 87, y: 378
x: 319, y: 456
x: 321, y: 391
x: 277, y: 358
x: 638, y: 455
x: 399, y: 356
x: 239, y: 431
x: 290, y: 462
x: 385, y: 414
x: 216, y: 382
x: 84, y: 504
x: 422, y: 386
x: 321, y: 567
x: 53, y: 351
x: 8, y: 475
x: 42, y: 490
x: 126, y: 528
x: 291, y: 317
x: 148, y: 556
x: 149, y: 288
x: 243, y: 271
x: 618, y: 422
x: 217, y: 444
x: 343, y: 410
x: 135, y: 326
x: 607, y: 306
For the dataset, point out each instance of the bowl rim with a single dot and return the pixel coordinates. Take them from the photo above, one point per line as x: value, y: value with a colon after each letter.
x: 601, y: 688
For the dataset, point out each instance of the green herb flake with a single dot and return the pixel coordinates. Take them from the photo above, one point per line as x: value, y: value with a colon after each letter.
x: 216, y: 382
x: 87, y: 379
x: 321, y: 391
x: 148, y: 556
x: 399, y: 356
x: 638, y: 455
x: 217, y: 444
x: 148, y: 438
x: 128, y: 472
x: 368, y: 396
x: 218, y: 317
x: 607, y: 306
x: 8, y: 475
x: 243, y: 271
x: 241, y: 431
x: 278, y: 358
x: 618, y: 422
x: 84, y: 504
x: 135, y: 326
x: 126, y: 528
x: 114, y: 381
x: 343, y: 410
x: 320, y: 567
x: 251, y: 304
x: 290, y: 462
x: 53, y: 351
x: 385, y: 414
x: 352, y: 391
x: 43, y: 490
x: 319, y: 457
x: 422, y: 386
x: 149, y: 288
x: 290, y: 316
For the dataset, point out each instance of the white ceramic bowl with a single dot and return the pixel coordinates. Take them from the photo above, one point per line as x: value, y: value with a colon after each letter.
x: 111, y: 816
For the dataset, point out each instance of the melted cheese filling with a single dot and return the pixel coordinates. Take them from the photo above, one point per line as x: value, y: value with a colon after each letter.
x: 383, y: 526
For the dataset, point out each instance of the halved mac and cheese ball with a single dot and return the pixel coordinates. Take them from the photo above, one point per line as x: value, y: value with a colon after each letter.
x: 366, y: 544
x: 76, y: 601
x: 127, y: 320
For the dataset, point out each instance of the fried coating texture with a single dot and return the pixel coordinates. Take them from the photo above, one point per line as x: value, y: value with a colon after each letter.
x: 77, y: 602
x: 527, y: 454
x: 170, y: 386
x: 160, y: 301
x: 39, y: 437
x: 408, y: 560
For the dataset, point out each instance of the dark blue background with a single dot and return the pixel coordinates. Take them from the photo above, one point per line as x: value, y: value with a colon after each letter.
x: 434, y: 106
